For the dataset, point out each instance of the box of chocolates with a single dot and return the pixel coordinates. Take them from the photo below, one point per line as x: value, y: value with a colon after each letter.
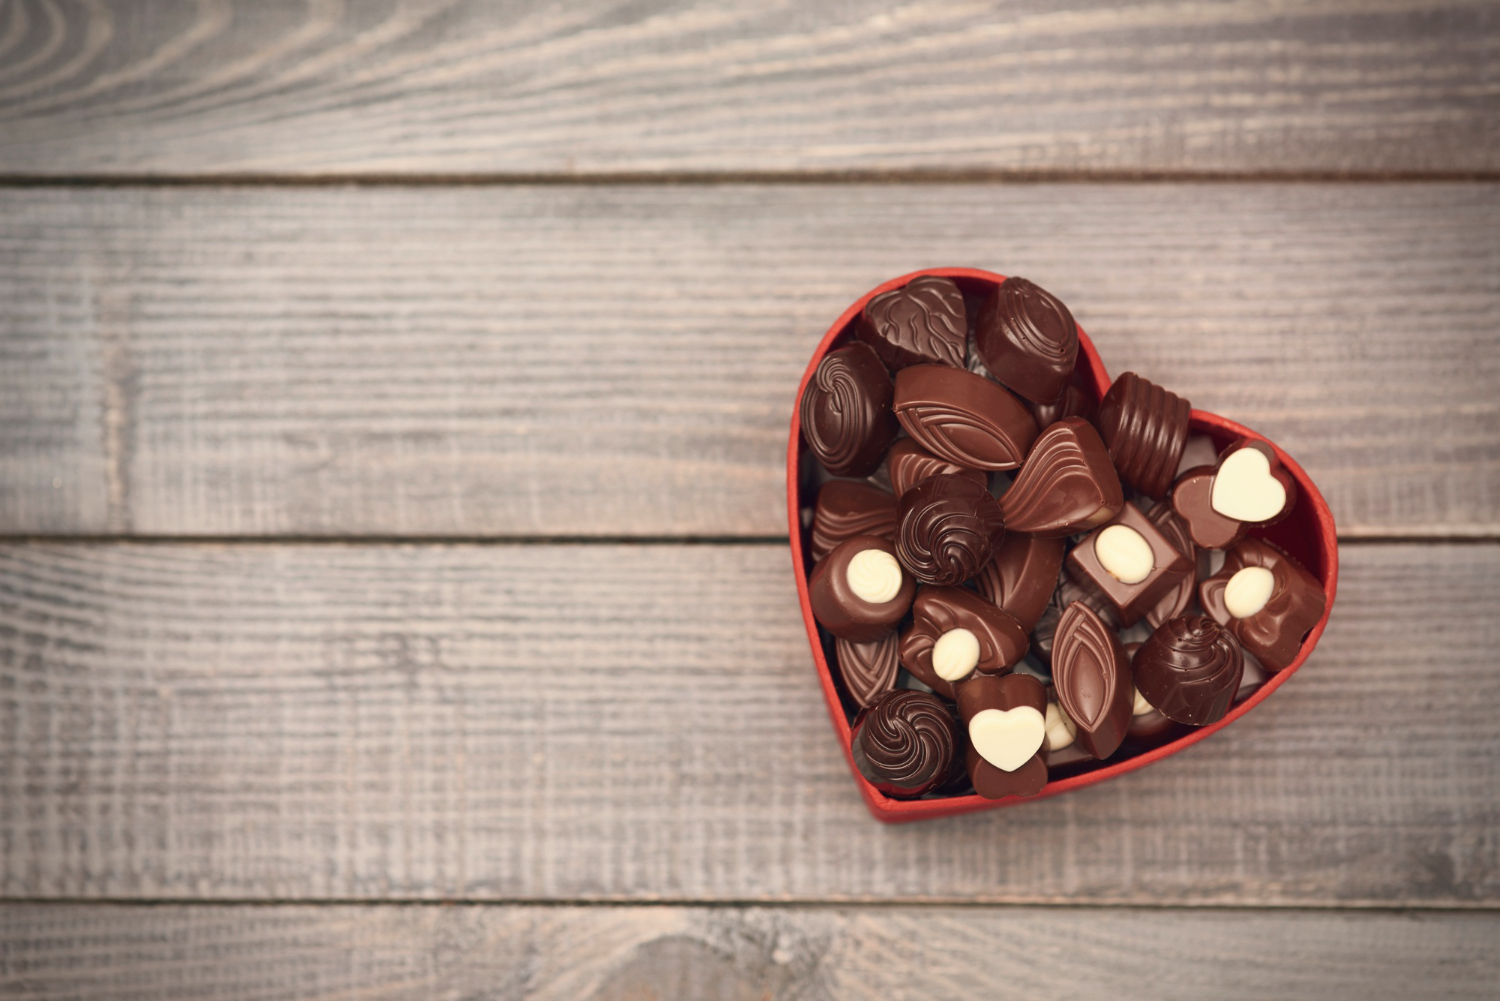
x: 1020, y: 576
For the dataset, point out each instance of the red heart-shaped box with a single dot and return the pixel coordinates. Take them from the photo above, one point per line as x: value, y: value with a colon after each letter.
x: 1307, y: 533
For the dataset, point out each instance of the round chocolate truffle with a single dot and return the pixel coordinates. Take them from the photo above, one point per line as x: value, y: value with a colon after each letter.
x: 1190, y: 669
x: 905, y: 743
x: 846, y: 411
x: 947, y: 528
x: 859, y: 591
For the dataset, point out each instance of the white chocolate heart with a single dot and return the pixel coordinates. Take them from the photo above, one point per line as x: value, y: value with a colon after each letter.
x: 1248, y: 591
x: 1007, y: 738
x: 874, y: 576
x: 1061, y: 730
x: 955, y: 654
x: 1244, y: 488
x: 1125, y: 554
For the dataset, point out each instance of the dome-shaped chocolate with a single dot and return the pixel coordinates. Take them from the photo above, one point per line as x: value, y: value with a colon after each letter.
x: 846, y: 411
x: 947, y: 528
x: 1190, y: 669
x: 905, y: 743
x: 1028, y: 339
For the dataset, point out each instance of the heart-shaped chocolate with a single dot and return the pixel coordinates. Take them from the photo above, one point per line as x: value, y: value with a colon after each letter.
x: 1304, y: 531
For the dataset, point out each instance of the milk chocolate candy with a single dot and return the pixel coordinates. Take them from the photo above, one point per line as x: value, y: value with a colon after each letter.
x: 846, y: 411
x: 1022, y: 575
x: 1266, y: 599
x: 963, y: 417
x: 1192, y: 502
x: 1145, y: 428
x: 954, y: 632
x: 1028, y: 339
x: 868, y: 669
x: 1068, y: 591
x: 947, y: 528
x: 859, y: 591
x: 1060, y: 749
x: 905, y: 743
x: 1067, y: 484
x: 1092, y: 679
x: 1131, y: 562
x: 1179, y: 597
x: 1006, y: 718
x: 908, y: 464
x: 845, y: 509
x: 922, y: 323
x: 996, y: 783
x: 1189, y: 670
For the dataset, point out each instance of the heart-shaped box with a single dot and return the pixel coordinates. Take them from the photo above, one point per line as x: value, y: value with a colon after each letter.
x: 1307, y: 534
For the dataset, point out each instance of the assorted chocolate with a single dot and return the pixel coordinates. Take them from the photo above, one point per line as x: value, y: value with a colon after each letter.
x: 990, y: 522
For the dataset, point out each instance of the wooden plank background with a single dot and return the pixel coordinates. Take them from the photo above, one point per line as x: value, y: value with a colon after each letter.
x: 394, y: 599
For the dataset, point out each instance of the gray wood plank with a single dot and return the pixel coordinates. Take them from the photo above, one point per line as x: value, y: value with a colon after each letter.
x: 621, y: 360
x: 444, y: 86
x: 601, y: 722
x: 738, y: 954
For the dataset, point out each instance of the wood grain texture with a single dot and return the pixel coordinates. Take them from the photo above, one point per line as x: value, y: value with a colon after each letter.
x: 444, y: 86
x: 642, y: 722
x: 737, y: 954
x: 621, y: 360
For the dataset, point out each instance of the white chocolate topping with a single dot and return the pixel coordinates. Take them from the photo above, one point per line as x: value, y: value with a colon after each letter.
x: 1061, y: 730
x: 1125, y: 554
x: 1248, y: 591
x: 1007, y: 738
x: 1244, y: 488
x: 1140, y: 706
x: 955, y: 654
x: 874, y: 576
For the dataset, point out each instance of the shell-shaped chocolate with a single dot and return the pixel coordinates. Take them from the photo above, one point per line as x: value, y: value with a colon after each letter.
x: 924, y: 322
x: 846, y: 509
x: 1295, y: 604
x: 868, y: 669
x: 1022, y: 576
x: 947, y: 528
x: 1067, y: 485
x: 905, y: 743
x: 908, y: 464
x: 1185, y: 586
x: 1145, y: 428
x: 963, y: 417
x: 937, y: 610
x: 1190, y: 669
x: 1092, y: 679
x: 1028, y: 339
x: 846, y: 411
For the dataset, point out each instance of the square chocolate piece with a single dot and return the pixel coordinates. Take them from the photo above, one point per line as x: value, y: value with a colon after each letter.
x: 1131, y: 562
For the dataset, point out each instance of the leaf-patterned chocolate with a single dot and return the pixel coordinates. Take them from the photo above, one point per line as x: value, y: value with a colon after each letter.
x: 846, y: 411
x: 923, y: 323
x: 963, y: 417
x: 846, y: 509
x: 1092, y: 679
x: 1028, y: 339
x: 868, y: 669
x: 1067, y: 485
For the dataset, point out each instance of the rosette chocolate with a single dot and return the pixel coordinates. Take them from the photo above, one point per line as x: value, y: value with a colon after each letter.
x: 947, y: 528
x: 906, y: 743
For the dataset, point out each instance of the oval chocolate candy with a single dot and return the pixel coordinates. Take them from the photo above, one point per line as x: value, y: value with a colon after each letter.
x: 1028, y: 339
x: 962, y: 417
x: 846, y: 411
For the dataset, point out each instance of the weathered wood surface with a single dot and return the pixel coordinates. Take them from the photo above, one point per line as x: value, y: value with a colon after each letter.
x: 738, y: 954
x: 336, y: 721
x: 621, y: 360
x: 285, y: 87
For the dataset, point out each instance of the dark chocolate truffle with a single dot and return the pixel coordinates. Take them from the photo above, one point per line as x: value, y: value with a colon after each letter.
x: 1189, y: 669
x: 947, y: 528
x: 905, y: 743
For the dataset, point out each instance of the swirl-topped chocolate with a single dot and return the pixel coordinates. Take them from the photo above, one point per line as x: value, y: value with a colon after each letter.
x: 1067, y: 485
x: 1028, y: 339
x: 923, y: 323
x: 1190, y: 669
x: 1145, y: 428
x: 846, y: 411
x: 947, y: 527
x: 963, y: 417
x: 905, y: 743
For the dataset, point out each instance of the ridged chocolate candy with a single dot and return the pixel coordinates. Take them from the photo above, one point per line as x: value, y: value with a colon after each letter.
x: 1092, y: 679
x: 922, y: 323
x: 1190, y: 669
x: 1067, y: 484
x: 846, y: 509
x: 868, y: 669
x: 947, y: 528
x: 908, y: 464
x: 905, y: 743
x: 1022, y: 576
x: 1145, y: 428
x: 1028, y: 339
x: 846, y: 411
x: 1068, y: 591
x: 963, y: 417
x: 994, y: 644
x: 1275, y: 611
